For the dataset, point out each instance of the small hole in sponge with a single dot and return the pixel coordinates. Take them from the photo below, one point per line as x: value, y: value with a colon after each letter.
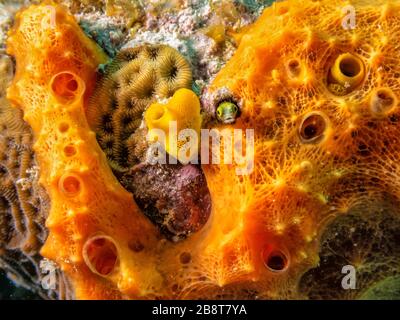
x: 66, y: 86
x: 312, y: 127
x: 70, y: 184
x: 382, y: 101
x: 101, y: 255
x: 69, y: 150
x: 275, y: 260
x: 135, y: 245
x: 63, y: 127
x: 282, y: 10
x: 350, y: 67
x: 294, y: 67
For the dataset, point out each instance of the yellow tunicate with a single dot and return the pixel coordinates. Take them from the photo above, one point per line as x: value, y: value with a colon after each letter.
x: 181, y: 112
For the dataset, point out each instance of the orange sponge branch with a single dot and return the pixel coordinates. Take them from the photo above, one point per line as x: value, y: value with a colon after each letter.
x: 56, y: 73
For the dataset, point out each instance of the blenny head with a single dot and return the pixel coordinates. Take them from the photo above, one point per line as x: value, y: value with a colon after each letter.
x: 227, y: 112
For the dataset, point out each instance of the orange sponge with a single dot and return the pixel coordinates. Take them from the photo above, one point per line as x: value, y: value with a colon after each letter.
x: 56, y: 73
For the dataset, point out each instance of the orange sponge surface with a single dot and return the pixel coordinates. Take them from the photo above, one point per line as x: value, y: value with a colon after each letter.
x: 56, y: 73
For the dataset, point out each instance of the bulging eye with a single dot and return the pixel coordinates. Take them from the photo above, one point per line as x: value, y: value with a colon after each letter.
x: 227, y: 112
x: 313, y: 127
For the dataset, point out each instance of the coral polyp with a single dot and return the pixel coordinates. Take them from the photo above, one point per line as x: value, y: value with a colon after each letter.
x: 320, y: 98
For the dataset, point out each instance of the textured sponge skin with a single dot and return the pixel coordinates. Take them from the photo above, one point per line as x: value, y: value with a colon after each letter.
x: 280, y: 75
x: 56, y: 72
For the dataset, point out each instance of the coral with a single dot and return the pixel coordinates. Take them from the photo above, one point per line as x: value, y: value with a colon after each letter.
x: 387, y: 289
x: 365, y: 239
x: 135, y: 79
x: 108, y: 35
x: 255, y: 5
x: 184, y: 27
x: 216, y: 32
x: 130, y: 10
x: 183, y: 109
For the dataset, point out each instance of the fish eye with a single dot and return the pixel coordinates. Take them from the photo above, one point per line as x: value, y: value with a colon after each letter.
x: 219, y: 110
x: 227, y: 105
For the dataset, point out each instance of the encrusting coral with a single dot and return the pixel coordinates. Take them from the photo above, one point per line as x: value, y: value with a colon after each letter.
x: 325, y: 172
x: 136, y: 78
x: 376, y: 254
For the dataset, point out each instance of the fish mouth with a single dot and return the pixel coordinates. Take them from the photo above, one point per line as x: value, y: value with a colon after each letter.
x: 229, y: 120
